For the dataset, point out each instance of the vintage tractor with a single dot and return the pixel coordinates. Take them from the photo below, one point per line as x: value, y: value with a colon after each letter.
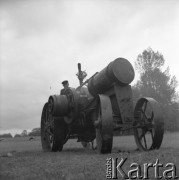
x: 98, y: 107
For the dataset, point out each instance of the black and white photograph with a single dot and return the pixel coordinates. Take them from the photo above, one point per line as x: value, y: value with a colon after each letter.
x: 89, y: 89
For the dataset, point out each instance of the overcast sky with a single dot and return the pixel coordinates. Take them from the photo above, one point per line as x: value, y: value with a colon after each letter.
x: 42, y: 41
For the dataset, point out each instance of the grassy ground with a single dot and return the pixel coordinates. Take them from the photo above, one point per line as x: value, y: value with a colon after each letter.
x: 74, y: 162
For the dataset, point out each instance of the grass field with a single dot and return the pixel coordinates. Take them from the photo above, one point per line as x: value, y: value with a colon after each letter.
x: 74, y: 162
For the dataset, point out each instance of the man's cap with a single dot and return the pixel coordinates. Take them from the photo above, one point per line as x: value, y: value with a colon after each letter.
x: 65, y: 82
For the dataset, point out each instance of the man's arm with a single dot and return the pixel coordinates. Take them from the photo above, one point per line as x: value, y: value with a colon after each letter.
x: 62, y: 92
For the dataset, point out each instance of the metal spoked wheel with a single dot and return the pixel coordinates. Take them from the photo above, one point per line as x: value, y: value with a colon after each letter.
x: 53, y: 131
x: 47, y: 124
x: 148, y: 124
x: 104, y: 126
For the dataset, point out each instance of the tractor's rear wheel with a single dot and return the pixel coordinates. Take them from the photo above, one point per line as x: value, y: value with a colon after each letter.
x: 148, y: 124
x: 53, y: 131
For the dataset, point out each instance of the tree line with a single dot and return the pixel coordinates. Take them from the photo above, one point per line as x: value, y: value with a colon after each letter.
x: 34, y: 132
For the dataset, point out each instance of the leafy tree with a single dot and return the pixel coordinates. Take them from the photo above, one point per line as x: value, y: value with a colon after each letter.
x: 156, y: 83
x: 17, y: 135
x: 24, y: 133
x: 35, y: 132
